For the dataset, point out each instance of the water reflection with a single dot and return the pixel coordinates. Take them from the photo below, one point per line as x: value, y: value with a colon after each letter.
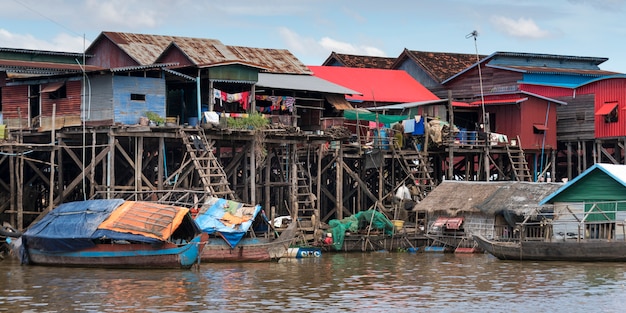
x: 385, y: 282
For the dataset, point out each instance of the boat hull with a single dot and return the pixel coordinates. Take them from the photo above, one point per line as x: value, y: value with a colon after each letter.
x: 218, y: 251
x: 249, y: 249
x: 587, y: 251
x: 167, y: 255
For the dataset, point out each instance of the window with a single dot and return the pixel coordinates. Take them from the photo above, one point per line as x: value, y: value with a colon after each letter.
x: 612, y: 116
x: 539, y: 128
x: 137, y: 97
x: 55, y: 90
x: 609, y: 111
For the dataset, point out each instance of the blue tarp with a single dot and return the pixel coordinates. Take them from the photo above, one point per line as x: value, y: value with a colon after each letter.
x: 74, y: 226
x: 211, y: 219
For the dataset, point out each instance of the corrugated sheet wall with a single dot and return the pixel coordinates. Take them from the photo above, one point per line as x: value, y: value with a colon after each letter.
x: 69, y: 106
x: 610, y: 90
x: 129, y: 111
x: 14, y: 98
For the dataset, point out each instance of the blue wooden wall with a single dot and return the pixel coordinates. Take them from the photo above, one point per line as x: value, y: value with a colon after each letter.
x: 127, y: 111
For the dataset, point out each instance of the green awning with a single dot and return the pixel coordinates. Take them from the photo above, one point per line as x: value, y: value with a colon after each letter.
x: 373, y: 117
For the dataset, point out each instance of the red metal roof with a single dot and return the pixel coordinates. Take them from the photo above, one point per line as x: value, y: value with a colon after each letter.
x: 381, y: 85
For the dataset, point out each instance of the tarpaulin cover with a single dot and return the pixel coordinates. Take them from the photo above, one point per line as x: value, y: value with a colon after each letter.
x: 74, y: 226
x: 148, y: 219
x: 354, y: 223
x: 229, y: 219
x: 373, y: 117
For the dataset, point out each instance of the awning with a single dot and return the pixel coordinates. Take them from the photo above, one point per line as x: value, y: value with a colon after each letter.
x: 339, y: 102
x: 373, y: 117
x: 301, y: 82
x: 52, y: 87
x: 540, y: 127
x: 449, y: 222
x: 501, y: 101
x: 606, y: 108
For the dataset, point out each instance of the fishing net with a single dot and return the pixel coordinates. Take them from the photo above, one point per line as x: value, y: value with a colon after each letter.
x: 356, y: 222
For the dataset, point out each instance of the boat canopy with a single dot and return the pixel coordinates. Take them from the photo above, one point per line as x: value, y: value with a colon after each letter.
x: 226, y: 218
x: 80, y: 225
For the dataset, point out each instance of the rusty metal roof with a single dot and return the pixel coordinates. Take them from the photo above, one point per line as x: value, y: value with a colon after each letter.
x: 363, y: 61
x: 146, y: 49
x: 32, y: 67
x: 440, y: 65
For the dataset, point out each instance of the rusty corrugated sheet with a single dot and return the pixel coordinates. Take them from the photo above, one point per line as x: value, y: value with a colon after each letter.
x: 278, y: 61
x: 203, y: 52
x: 47, y: 67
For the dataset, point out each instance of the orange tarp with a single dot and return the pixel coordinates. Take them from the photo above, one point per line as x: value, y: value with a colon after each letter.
x: 152, y: 220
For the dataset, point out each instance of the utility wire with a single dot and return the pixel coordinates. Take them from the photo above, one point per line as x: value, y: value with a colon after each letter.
x: 46, y: 17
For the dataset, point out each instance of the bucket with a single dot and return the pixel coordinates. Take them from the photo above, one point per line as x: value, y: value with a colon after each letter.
x: 193, y: 121
x: 397, y: 224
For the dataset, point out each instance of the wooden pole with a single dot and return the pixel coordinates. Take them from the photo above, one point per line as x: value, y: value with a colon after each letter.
x: 450, y: 147
x: 161, y: 163
x: 253, y: 170
x: 339, y: 183
x: 52, y: 151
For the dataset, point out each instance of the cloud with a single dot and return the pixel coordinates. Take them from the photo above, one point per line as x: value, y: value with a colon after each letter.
x: 343, y: 47
x: 306, y: 48
x: 125, y: 13
x: 521, y: 28
x: 61, y: 42
x: 605, y: 5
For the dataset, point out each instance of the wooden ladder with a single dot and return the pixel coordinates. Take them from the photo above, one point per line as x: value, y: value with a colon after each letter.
x: 416, y: 166
x: 210, y: 171
x: 519, y: 166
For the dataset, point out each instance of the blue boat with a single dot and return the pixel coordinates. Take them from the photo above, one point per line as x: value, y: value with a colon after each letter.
x: 112, y: 233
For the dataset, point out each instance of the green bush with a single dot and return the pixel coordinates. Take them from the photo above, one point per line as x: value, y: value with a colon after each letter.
x: 253, y: 121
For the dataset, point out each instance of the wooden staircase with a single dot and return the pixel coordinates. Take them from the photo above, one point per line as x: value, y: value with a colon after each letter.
x: 210, y: 171
x: 519, y: 166
x: 417, y: 167
x: 305, y: 199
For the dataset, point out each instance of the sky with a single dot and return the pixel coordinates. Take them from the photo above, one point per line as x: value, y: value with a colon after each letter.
x: 312, y: 29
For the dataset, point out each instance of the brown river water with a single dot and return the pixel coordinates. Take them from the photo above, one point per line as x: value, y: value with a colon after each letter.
x: 335, y: 282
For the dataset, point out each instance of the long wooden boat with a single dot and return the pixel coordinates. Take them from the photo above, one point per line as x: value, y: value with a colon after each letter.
x: 112, y: 233
x: 556, y: 250
x: 249, y: 249
x: 228, y: 224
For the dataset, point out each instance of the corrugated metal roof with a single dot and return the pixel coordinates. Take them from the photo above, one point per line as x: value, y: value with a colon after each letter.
x: 528, y: 56
x: 146, y: 49
x: 47, y: 52
x: 301, y: 82
x: 362, y: 61
x: 441, y: 65
x: 48, y: 67
x: 142, y: 67
x: 615, y: 171
x: 273, y: 60
x: 554, y: 70
x: 381, y: 85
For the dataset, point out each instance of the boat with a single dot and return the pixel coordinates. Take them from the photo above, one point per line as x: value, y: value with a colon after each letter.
x: 112, y: 233
x: 590, y: 250
x: 230, y: 237
x: 304, y: 252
